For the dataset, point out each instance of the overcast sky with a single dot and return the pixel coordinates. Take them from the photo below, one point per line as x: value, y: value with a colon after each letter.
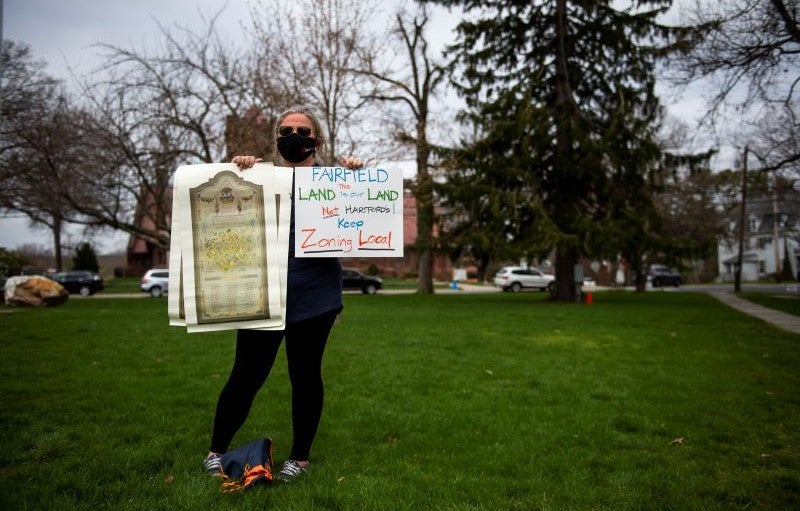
x: 62, y: 32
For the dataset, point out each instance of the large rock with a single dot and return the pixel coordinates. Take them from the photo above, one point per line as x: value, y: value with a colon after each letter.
x: 34, y: 290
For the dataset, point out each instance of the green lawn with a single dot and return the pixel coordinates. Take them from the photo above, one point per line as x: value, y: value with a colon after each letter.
x: 131, y: 284
x: 789, y: 303
x: 460, y: 402
x: 122, y: 285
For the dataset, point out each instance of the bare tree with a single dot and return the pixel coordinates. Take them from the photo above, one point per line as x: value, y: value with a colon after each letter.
x: 311, y: 52
x: 776, y: 138
x: 189, y: 100
x: 151, y: 112
x: 412, y: 86
x: 750, y: 48
x: 37, y: 153
x: 750, y: 51
x: 38, y: 256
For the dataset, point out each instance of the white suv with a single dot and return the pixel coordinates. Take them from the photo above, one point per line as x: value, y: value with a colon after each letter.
x: 516, y: 278
x: 155, y: 282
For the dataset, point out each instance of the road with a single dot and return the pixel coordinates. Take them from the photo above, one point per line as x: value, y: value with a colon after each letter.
x: 466, y: 288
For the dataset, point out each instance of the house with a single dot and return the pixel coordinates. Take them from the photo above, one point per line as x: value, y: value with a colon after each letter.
x: 142, y: 254
x: 772, y: 234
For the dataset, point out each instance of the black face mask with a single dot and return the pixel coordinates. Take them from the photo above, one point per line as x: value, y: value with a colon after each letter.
x: 295, y: 148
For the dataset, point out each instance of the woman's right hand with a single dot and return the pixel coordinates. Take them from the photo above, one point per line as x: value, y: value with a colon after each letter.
x: 245, y: 162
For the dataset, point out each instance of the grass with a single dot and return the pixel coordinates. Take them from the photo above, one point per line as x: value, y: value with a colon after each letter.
x: 122, y: 285
x: 789, y: 303
x: 458, y: 402
x: 131, y: 285
x: 395, y: 283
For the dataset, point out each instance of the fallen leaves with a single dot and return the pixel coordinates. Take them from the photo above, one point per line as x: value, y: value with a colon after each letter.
x: 677, y: 441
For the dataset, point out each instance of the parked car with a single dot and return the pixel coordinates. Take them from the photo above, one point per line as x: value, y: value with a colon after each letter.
x: 663, y: 276
x: 517, y: 278
x: 155, y: 282
x: 354, y: 279
x: 81, y: 282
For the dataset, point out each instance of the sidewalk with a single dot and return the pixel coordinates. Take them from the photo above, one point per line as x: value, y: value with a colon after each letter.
x: 777, y: 318
x: 466, y: 287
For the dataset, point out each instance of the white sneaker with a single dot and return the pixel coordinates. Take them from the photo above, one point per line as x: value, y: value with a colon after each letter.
x: 290, y: 470
x: 213, y: 465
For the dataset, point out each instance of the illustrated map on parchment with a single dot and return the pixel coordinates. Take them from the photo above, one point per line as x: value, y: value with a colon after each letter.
x: 230, y: 250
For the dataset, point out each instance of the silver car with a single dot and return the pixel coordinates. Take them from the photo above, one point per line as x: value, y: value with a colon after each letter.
x: 517, y: 278
x: 155, y: 282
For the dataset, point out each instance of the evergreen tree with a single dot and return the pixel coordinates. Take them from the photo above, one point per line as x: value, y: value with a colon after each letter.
x: 674, y: 217
x: 85, y: 258
x: 564, y: 91
x: 488, y: 214
x: 688, y: 202
x: 11, y: 262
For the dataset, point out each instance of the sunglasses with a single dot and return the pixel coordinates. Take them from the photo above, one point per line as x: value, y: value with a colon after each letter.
x: 303, y: 131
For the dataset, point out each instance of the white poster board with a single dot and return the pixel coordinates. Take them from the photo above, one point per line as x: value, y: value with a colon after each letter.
x: 229, y: 247
x: 341, y: 212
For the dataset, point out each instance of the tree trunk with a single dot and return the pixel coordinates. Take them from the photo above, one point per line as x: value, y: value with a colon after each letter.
x: 641, y: 282
x: 566, y: 254
x: 424, y: 197
x: 639, y: 278
x: 565, y: 289
x: 57, y: 242
x: 483, y: 266
x: 737, y: 281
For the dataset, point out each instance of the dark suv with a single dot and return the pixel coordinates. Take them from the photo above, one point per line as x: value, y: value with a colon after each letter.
x: 82, y: 282
x: 354, y: 279
x: 663, y: 276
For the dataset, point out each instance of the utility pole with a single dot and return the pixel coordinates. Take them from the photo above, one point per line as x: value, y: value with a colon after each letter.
x: 737, y: 283
x: 775, y: 239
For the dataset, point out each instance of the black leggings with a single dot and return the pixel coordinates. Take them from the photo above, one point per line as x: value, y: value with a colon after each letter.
x: 255, y: 353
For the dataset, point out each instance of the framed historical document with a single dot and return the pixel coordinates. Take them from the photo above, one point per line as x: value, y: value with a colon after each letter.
x: 229, y: 249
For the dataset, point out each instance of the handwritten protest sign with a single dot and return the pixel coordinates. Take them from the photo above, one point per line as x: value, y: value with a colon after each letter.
x: 348, y: 213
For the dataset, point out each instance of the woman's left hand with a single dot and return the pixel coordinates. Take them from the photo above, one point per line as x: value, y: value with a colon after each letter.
x: 350, y: 162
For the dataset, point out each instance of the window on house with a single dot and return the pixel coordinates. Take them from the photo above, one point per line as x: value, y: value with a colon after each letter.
x: 762, y: 267
x: 753, y: 224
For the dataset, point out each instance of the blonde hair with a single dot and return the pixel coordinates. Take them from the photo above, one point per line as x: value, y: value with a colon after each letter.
x: 319, y: 135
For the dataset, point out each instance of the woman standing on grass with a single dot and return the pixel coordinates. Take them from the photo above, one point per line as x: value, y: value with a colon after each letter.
x: 313, y: 300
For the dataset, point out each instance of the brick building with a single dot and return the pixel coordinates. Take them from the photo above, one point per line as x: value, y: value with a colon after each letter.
x: 141, y: 254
